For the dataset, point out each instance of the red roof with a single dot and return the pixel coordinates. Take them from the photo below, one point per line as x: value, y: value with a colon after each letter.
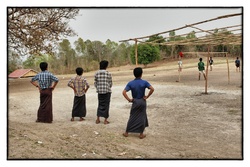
x: 20, y: 73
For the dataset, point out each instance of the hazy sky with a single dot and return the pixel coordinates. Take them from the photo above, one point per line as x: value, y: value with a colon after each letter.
x: 123, y: 23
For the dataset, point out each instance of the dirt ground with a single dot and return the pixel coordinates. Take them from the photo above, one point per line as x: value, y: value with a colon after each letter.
x: 184, y: 122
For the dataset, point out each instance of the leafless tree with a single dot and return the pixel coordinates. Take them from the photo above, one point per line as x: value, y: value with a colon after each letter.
x: 36, y: 30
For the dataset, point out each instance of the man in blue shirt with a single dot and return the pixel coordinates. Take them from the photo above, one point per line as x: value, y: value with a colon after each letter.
x: 138, y: 120
x: 43, y: 81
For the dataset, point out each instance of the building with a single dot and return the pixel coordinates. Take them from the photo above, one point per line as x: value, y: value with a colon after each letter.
x: 22, y: 73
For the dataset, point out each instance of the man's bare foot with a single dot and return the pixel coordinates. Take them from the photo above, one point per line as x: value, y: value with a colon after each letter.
x: 97, y: 121
x: 72, y: 119
x: 82, y: 119
x: 106, y: 122
x: 141, y: 136
x: 125, y: 134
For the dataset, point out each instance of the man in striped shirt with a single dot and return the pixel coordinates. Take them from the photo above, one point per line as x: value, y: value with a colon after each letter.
x: 46, y: 83
x: 80, y: 86
x: 103, y: 84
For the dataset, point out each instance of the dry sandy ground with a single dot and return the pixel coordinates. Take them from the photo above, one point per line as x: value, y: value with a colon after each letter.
x: 184, y: 123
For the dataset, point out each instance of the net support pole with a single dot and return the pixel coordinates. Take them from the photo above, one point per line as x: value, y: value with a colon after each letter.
x: 228, y: 72
x: 179, y: 76
x: 206, y: 81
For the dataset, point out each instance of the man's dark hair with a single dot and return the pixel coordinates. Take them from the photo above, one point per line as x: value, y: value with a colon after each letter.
x: 138, y: 72
x: 79, y: 70
x: 43, y: 66
x: 104, y: 64
x: 200, y: 59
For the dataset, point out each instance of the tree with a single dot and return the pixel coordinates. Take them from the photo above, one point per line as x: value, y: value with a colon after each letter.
x: 36, y: 30
x: 172, y: 36
x: 89, y: 49
x: 174, y: 49
x: 34, y: 61
x: 190, y: 48
x: 159, y: 39
x: 80, y: 46
x: 98, y: 49
x: 191, y: 35
x: 67, y: 55
x: 110, y: 48
x: 81, y: 53
x: 219, y: 37
x: 14, y: 61
x: 122, y: 54
x: 146, y: 54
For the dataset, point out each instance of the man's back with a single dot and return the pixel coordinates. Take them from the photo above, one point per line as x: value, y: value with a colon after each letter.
x: 237, y: 62
x: 137, y: 86
x: 45, y: 79
x: 103, y: 82
x: 201, y: 66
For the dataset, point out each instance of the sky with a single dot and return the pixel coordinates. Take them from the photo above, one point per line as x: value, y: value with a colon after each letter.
x: 119, y: 24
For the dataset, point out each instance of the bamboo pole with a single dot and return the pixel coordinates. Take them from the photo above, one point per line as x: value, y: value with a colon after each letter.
x: 208, y: 50
x: 180, y: 68
x: 202, y: 40
x: 188, y: 25
x: 179, y: 76
x: 228, y: 72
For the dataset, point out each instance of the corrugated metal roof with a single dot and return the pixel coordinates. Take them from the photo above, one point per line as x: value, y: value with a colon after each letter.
x: 20, y: 73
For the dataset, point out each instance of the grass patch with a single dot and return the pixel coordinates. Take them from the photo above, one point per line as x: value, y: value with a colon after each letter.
x: 233, y: 112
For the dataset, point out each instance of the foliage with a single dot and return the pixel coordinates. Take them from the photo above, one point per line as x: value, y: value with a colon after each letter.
x: 66, y: 56
x: 34, y: 61
x: 121, y: 55
x: 218, y: 34
x: 191, y: 35
x: 146, y: 54
x: 87, y: 54
x: 80, y: 46
x: 14, y: 62
x: 36, y: 30
x: 173, y: 50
